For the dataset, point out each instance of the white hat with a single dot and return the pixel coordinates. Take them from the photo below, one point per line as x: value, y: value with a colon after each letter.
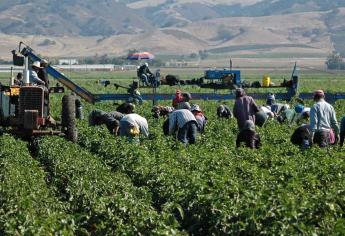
x: 146, y: 64
x: 195, y: 108
x: 37, y: 64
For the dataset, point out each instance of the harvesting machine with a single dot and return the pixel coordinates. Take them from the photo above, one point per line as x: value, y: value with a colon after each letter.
x: 25, y: 111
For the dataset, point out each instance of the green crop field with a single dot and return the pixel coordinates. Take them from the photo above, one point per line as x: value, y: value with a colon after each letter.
x: 104, y: 185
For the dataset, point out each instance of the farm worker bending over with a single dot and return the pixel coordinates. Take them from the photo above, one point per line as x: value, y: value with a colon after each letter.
x: 223, y: 111
x: 34, y: 79
x: 132, y: 125
x: 323, y: 122
x: 111, y: 120
x: 288, y: 115
x: 300, y: 136
x: 184, y: 122
x: 245, y: 108
x: 248, y: 135
x: 278, y: 108
x: 342, y: 131
x: 201, y: 119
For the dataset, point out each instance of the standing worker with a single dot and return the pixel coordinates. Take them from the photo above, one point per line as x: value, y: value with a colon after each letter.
x: 184, y: 122
x: 245, y: 108
x: 323, y: 122
x: 177, y: 99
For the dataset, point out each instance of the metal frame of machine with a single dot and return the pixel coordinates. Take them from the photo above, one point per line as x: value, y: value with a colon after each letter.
x: 292, y: 89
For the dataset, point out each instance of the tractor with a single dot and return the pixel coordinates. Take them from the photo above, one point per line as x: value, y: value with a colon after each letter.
x: 25, y: 111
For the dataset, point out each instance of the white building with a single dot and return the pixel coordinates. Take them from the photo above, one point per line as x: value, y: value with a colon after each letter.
x: 68, y: 62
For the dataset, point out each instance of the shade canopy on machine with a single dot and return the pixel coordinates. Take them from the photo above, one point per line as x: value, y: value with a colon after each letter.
x: 140, y: 56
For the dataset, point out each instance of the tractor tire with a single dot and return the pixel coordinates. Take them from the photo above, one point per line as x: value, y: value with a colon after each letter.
x: 68, y: 120
x: 1, y: 117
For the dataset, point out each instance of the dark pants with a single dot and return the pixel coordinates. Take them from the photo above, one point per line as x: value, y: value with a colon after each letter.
x: 187, y: 134
x: 322, y: 138
x: 342, y: 137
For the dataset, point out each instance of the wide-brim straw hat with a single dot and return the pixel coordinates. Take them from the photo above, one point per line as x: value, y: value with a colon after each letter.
x: 37, y: 64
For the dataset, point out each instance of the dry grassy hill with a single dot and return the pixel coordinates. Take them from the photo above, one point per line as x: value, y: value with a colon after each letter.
x: 72, y: 28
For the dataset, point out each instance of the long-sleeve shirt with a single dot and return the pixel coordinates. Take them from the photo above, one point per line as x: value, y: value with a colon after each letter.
x: 179, y: 118
x: 245, y: 109
x: 138, y: 122
x: 323, y: 117
x: 201, y: 120
x: 34, y: 79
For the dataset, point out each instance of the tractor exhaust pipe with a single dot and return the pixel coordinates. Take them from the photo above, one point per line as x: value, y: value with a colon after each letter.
x: 26, y: 70
x: 12, y: 78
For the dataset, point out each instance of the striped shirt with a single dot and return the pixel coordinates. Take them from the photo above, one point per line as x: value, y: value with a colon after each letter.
x: 137, y: 121
x: 179, y: 118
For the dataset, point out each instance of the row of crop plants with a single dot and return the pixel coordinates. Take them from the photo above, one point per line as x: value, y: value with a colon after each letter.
x: 104, y: 202
x: 212, y: 188
x: 28, y: 205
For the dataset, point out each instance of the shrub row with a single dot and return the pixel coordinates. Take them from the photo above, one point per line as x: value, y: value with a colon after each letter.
x: 105, y: 202
x: 28, y: 205
x: 214, y: 188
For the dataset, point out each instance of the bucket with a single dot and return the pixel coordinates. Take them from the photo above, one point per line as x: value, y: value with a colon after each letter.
x: 266, y: 81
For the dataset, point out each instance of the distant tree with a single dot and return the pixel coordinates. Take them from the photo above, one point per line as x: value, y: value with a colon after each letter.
x: 203, y: 54
x: 193, y: 55
x: 132, y: 51
x: 335, y: 62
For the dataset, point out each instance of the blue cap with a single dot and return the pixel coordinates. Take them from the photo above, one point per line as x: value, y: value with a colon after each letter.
x: 299, y: 108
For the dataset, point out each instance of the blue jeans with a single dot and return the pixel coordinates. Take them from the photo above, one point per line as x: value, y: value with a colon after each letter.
x: 187, y: 134
x: 144, y: 78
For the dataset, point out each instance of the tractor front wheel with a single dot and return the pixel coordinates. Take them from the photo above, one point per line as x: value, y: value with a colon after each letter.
x: 68, y: 118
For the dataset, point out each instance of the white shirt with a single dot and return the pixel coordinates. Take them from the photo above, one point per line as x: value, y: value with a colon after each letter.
x: 137, y: 121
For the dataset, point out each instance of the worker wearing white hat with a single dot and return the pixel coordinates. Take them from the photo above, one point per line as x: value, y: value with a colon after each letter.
x: 201, y: 119
x: 34, y: 79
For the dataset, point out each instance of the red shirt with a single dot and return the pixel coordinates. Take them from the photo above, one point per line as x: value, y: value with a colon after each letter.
x: 178, y: 98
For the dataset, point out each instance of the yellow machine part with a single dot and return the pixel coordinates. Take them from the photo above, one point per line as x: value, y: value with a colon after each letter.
x: 266, y: 81
x: 14, y: 91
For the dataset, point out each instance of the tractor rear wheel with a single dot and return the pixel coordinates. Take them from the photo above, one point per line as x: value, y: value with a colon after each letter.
x: 68, y: 118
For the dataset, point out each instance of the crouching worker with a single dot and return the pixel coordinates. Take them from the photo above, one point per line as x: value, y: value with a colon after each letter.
x: 133, y: 125
x: 248, y: 135
x: 111, y: 120
x: 201, y: 119
x: 184, y: 123
x: 223, y: 111
x: 301, y: 136
x: 161, y: 111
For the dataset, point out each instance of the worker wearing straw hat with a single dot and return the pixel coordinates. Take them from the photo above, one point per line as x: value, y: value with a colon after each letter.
x: 34, y: 79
